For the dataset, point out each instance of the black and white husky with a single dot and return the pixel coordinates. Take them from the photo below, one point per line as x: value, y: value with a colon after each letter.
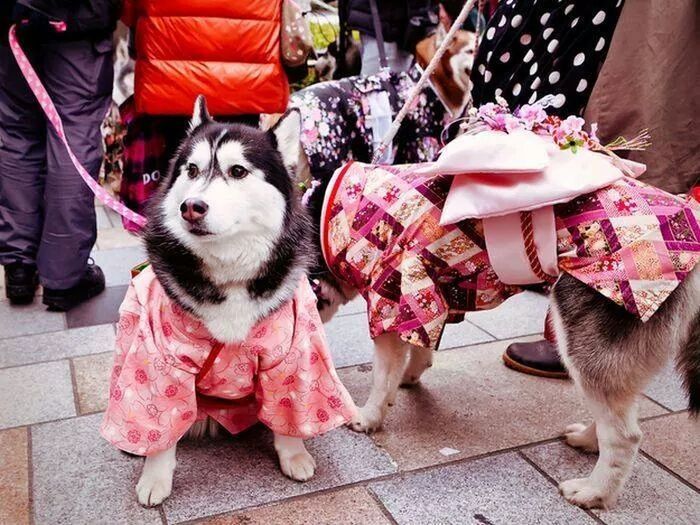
x: 228, y: 241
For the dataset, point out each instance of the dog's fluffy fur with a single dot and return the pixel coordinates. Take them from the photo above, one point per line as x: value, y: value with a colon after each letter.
x: 238, y: 262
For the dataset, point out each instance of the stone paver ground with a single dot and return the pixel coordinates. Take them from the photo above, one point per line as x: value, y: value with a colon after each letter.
x: 474, y: 442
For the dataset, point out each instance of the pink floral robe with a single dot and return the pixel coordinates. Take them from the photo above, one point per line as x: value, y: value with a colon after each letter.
x: 167, y: 373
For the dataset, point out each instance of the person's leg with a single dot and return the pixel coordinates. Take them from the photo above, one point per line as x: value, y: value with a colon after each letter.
x: 22, y: 172
x: 78, y: 77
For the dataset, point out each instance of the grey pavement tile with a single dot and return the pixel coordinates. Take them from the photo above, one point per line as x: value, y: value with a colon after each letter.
x: 113, y: 238
x: 667, y: 389
x: 349, y: 340
x: 117, y: 263
x: 353, y: 506
x: 102, y: 309
x: 462, y: 334
x: 102, y: 219
x: 499, y: 489
x: 675, y: 441
x: 35, y: 393
x: 651, y: 495
x: 56, y: 345
x: 30, y: 319
x: 471, y: 403
x: 350, y: 343
x: 522, y: 314
x: 80, y: 478
x: 114, y: 217
x: 233, y: 473
x: 357, y: 306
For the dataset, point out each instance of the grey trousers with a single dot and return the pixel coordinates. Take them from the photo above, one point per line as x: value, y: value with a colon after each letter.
x: 47, y: 213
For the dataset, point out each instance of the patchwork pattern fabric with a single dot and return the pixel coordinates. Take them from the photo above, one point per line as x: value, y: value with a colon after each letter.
x: 381, y: 234
x: 337, y: 120
x: 163, y: 379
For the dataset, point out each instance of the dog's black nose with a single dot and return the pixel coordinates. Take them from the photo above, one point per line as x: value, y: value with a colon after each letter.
x: 193, y: 210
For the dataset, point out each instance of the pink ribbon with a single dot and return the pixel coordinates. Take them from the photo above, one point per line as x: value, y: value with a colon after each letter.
x: 52, y: 115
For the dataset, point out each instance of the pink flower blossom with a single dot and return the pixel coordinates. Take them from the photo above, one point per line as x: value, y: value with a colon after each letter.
x: 594, y: 132
x: 531, y: 115
x: 572, y: 126
x: 512, y: 123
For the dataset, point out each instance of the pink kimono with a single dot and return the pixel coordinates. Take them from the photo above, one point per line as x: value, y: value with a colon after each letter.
x: 169, y: 372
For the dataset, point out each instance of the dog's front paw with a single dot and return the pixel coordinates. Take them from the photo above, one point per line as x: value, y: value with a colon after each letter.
x: 584, y: 493
x: 368, y: 419
x: 153, y: 489
x: 300, y: 466
x: 581, y: 436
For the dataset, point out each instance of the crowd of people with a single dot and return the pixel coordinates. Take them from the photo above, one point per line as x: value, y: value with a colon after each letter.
x: 622, y: 64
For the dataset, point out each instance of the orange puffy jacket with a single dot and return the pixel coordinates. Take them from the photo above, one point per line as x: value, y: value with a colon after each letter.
x: 227, y: 50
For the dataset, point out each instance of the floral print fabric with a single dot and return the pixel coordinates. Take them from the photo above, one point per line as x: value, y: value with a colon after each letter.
x: 281, y: 375
x: 337, y: 121
x: 381, y: 234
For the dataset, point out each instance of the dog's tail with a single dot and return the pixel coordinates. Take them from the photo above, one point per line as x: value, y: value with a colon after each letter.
x: 689, y: 366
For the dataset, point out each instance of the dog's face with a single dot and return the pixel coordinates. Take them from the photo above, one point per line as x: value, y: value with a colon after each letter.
x: 230, y: 181
x: 461, y: 58
x: 451, y: 76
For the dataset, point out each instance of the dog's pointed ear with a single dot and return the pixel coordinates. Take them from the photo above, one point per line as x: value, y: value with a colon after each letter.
x: 287, y: 138
x: 200, y: 115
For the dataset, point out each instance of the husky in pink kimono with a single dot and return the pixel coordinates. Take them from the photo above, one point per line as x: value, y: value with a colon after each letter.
x: 222, y: 326
x: 522, y: 198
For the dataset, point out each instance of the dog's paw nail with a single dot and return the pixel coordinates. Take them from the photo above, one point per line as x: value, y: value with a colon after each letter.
x: 583, y: 493
x: 299, y: 467
x: 152, y: 491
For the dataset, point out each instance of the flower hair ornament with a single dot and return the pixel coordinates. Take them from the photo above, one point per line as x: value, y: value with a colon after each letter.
x: 567, y: 133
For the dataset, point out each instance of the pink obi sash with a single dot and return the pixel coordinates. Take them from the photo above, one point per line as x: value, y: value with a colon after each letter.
x: 511, y: 181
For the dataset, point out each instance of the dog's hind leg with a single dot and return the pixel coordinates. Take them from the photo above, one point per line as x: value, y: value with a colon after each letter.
x: 156, y: 481
x: 419, y: 360
x: 388, y: 367
x: 611, y: 355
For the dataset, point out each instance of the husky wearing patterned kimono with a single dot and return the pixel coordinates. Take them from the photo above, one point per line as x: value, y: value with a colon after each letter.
x: 627, y: 298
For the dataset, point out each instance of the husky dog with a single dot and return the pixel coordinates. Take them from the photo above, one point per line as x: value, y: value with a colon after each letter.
x: 610, y: 353
x: 228, y: 241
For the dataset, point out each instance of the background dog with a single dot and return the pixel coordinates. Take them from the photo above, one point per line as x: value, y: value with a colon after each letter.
x: 229, y: 242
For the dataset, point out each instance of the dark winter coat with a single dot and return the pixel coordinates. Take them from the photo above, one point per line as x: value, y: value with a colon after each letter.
x: 405, y: 22
x: 92, y: 19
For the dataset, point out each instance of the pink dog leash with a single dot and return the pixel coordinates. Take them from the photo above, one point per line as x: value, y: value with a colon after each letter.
x: 52, y: 115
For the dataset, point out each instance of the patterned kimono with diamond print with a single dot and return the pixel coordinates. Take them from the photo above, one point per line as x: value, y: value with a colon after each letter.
x: 631, y: 242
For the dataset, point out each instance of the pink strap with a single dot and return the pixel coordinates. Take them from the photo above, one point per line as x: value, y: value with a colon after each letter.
x: 522, y: 246
x: 52, y: 115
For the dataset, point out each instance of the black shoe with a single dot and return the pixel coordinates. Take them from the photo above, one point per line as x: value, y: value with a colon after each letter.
x: 21, y: 282
x: 538, y: 358
x: 91, y: 284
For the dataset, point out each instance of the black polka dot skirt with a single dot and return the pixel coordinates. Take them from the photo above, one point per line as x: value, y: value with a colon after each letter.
x: 535, y: 48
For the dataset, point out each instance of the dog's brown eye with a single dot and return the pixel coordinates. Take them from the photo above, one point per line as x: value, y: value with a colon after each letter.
x: 192, y: 170
x: 237, y: 171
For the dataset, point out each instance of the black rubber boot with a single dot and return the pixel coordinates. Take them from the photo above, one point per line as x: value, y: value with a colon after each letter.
x: 21, y: 282
x: 538, y: 358
x: 91, y: 284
